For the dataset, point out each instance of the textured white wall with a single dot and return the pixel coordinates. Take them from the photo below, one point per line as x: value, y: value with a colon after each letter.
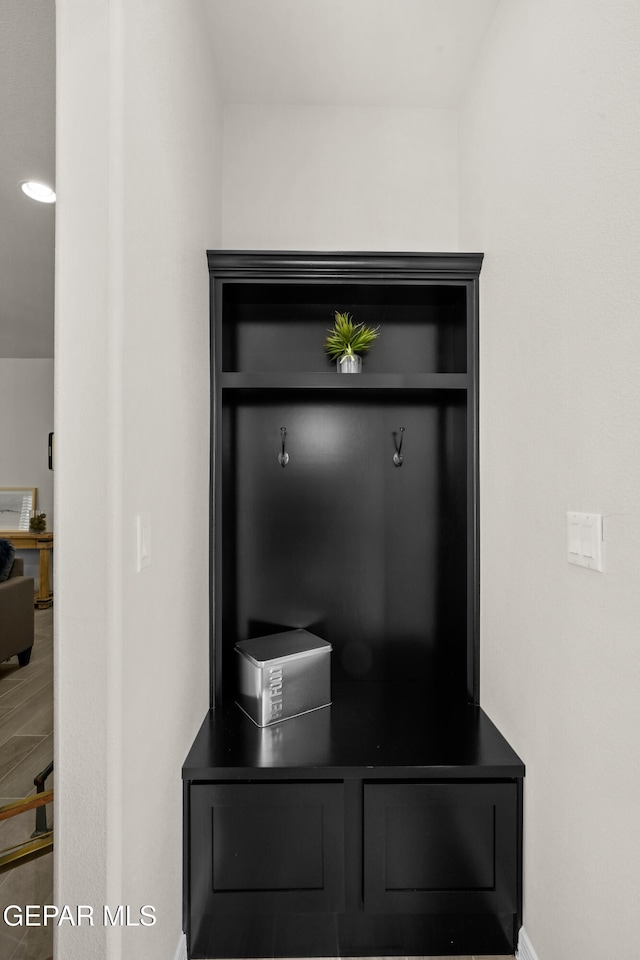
x: 548, y: 191
x: 138, y: 189
x: 332, y: 178
x: 549, y: 146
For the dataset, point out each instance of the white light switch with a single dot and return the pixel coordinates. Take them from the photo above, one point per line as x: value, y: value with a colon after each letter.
x: 143, y: 541
x: 584, y: 539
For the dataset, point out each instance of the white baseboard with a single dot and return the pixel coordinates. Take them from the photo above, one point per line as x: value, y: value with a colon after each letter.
x: 525, y: 949
x: 181, y: 949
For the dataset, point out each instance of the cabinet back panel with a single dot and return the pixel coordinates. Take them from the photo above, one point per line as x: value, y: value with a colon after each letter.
x: 367, y: 555
x: 282, y: 327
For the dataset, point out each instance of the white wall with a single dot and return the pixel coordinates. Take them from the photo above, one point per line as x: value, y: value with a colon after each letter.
x: 353, y: 178
x: 26, y: 401
x: 549, y: 144
x: 138, y: 205
x: 132, y: 406
x: 547, y: 190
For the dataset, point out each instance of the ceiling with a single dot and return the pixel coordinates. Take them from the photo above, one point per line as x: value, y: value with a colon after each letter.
x: 393, y: 53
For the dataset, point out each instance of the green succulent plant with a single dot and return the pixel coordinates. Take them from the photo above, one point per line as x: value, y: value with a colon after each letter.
x: 346, y: 338
x: 38, y: 522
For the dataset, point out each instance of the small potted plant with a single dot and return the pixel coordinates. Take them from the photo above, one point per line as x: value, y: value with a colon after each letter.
x: 347, y: 340
x: 38, y: 522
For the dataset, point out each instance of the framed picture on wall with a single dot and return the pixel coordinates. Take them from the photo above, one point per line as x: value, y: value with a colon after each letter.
x: 16, y: 506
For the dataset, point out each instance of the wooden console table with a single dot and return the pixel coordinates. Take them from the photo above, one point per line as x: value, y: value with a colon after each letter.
x: 28, y: 540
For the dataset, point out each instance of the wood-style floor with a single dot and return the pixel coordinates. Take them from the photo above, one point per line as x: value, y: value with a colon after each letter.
x: 26, y: 747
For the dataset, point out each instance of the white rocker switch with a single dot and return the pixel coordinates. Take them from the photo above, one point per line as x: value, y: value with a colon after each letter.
x: 584, y: 540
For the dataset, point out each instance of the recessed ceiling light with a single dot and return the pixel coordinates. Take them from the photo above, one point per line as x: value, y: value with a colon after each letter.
x: 38, y: 191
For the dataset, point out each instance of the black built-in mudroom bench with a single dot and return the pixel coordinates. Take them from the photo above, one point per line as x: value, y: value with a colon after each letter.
x: 390, y: 822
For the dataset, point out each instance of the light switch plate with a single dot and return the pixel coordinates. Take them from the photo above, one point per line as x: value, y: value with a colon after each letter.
x: 584, y: 540
x: 143, y: 541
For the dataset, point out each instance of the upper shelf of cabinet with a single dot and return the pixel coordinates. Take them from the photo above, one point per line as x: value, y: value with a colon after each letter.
x: 367, y: 382
x: 272, y: 333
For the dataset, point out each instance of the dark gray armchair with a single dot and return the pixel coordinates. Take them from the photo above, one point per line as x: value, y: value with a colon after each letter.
x: 16, y: 615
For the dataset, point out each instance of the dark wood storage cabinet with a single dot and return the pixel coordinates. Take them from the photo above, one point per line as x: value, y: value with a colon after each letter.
x: 389, y: 823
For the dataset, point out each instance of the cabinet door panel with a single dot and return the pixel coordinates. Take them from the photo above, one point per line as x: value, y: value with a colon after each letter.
x: 440, y: 847
x: 267, y: 847
x: 275, y: 848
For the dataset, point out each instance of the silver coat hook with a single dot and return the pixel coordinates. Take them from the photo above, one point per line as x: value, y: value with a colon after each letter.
x: 397, y: 457
x: 283, y: 456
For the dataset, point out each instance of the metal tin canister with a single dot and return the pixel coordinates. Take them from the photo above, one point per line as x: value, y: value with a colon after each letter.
x: 283, y: 675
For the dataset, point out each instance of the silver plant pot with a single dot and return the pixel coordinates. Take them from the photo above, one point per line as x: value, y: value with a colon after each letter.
x: 349, y: 365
